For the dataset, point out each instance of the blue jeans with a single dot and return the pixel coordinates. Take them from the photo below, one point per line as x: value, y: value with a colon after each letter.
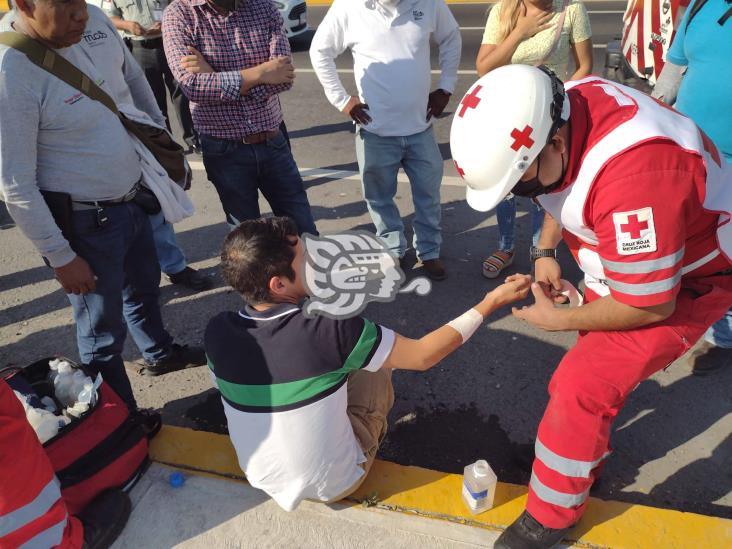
x: 238, y: 171
x: 170, y: 256
x: 506, y: 215
x: 720, y: 333
x: 122, y: 255
x: 379, y: 160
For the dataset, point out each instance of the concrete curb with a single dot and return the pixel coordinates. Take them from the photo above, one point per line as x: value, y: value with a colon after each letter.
x: 423, y: 492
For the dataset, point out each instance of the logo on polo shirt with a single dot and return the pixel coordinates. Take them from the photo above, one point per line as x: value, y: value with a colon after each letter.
x: 74, y: 98
x: 346, y: 271
x: 417, y: 14
x: 635, y: 232
x: 94, y: 38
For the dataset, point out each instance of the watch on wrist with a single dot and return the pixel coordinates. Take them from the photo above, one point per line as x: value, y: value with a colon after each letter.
x: 537, y: 253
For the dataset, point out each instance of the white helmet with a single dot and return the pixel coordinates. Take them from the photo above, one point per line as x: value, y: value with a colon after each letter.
x: 500, y: 127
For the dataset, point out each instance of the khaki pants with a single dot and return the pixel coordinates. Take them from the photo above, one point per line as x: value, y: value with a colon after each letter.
x: 370, y: 398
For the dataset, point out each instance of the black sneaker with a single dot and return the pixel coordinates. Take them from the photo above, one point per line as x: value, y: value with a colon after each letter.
x: 104, y: 519
x: 191, y: 279
x: 6, y: 222
x: 180, y: 358
x: 405, y: 264
x: 149, y: 420
x: 527, y: 533
x: 435, y: 269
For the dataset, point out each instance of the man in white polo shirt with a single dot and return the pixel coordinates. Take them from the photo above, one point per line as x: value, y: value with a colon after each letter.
x: 390, y: 44
x: 307, y: 398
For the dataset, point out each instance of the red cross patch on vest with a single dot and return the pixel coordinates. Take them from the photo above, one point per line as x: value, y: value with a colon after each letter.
x: 635, y: 232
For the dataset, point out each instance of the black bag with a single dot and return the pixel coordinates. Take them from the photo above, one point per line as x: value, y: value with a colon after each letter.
x: 105, y: 447
x: 147, y: 200
x: 60, y: 207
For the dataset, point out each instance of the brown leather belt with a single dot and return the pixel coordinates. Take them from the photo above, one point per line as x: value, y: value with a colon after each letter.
x: 259, y: 137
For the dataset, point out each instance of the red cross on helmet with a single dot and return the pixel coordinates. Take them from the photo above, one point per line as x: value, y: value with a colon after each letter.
x: 500, y: 127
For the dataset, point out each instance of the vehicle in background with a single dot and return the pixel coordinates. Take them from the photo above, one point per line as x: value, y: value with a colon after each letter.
x: 294, y: 14
x: 637, y: 56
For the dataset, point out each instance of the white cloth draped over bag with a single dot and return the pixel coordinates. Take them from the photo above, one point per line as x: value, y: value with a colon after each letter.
x: 174, y: 201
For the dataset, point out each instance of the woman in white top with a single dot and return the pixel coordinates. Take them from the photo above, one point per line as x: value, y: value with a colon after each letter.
x: 525, y: 32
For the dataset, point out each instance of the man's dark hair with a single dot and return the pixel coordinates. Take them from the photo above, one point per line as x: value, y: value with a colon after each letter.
x: 256, y: 251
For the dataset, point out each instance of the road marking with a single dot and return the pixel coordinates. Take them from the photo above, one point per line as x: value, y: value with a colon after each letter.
x: 348, y: 175
x: 432, y: 494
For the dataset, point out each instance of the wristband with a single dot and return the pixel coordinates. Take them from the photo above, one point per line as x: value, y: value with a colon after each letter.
x: 467, y: 323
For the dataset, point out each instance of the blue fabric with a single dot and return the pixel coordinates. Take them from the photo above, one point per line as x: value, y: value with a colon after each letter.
x: 705, y: 48
x: 238, y: 171
x: 122, y: 256
x: 379, y: 160
x: 720, y: 333
x: 170, y: 256
x: 506, y: 217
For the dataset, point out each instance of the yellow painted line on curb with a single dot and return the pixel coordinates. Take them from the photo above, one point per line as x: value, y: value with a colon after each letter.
x: 437, y: 495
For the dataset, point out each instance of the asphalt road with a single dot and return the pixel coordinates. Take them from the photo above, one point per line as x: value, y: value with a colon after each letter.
x: 673, y: 441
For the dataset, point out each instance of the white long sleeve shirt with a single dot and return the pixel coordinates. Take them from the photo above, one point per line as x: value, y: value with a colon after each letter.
x: 391, y: 58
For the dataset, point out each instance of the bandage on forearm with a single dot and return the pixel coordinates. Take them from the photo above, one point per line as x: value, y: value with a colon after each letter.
x: 467, y: 323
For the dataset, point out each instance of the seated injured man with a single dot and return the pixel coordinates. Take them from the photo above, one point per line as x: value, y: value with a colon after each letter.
x: 307, y: 397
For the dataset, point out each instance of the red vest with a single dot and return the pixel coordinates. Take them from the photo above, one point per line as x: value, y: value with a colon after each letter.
x: 634, y: 118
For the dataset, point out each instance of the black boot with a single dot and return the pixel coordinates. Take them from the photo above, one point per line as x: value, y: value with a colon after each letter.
x: 104, y: 519
x: 527, y: 533
x: 180, y: 358
x: 192, y: 279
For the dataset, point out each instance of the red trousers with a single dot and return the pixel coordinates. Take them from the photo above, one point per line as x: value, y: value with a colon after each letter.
x: 589, y: 388
x: 32, y: 513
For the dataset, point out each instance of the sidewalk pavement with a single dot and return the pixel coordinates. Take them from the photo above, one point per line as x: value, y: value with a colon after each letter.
x: 209, y: 512
x: 397, y: 507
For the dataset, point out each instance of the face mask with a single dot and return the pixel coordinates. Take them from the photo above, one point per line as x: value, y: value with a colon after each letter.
x: 532, y: 188
x: 228, y: 5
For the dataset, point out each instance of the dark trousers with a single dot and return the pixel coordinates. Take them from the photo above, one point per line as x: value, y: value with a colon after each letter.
x: 121, y: 253
x: 157, y: 72
x: 239, y: 171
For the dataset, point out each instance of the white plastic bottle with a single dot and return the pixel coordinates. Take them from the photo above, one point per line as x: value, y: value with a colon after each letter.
x: 479, y: 486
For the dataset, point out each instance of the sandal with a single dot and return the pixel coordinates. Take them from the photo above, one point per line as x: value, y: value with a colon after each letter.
x: 496, y: 262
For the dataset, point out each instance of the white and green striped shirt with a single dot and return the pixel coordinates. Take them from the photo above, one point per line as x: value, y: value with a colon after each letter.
x: 282, y: 378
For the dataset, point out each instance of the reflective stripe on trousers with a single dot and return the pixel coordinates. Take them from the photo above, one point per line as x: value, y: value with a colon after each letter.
x: 590, y: 387
x: 49, y: 495
x: 565, y: 466
x: 37, y: 508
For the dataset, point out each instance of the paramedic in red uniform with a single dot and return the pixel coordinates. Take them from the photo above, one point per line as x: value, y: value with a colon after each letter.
x: 642, y: 198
